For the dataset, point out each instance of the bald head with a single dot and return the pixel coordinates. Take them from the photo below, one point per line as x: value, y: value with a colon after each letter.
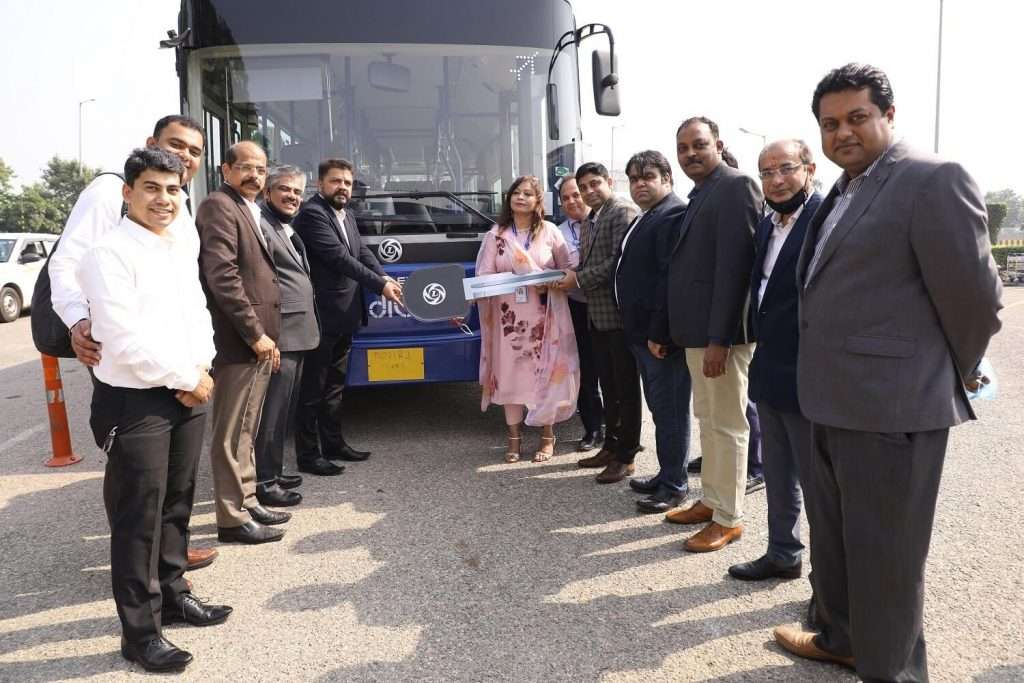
x: 786, y: 168
x: 245, y: 168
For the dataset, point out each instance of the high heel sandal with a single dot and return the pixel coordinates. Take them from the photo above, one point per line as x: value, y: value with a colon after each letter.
x: 513, y: 455
x: 544, y: 454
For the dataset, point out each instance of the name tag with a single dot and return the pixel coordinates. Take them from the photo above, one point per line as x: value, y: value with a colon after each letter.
x: 522, y: 296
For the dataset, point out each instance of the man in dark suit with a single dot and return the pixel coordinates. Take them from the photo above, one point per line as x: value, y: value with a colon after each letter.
x: 786, y: 169
x: 898, y: 300
x: 300, y: 332
x: 340, y: 265
x: 708, y: 277
x: 616, y: 367
x: 245, y: 305
x: 666, y: 381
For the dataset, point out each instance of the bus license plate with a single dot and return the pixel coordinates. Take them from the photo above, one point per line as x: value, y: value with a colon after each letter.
x: 394, y: 365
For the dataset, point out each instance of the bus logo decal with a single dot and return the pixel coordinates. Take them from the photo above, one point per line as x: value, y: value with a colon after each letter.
x: 434, y: 294
x: 390, y: 250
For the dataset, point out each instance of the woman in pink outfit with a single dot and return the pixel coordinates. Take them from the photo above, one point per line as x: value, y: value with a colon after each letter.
x: 528, y: 358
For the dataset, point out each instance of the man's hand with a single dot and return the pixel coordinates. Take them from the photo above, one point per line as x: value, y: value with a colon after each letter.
x: 264, y: 348
x: 186, y: 399
x: 567, y: 282
x: 714, y: 360
x: 86, y: 349
x: 277, y: 360
x: 204, y: 390
x: 392, y: 291
x: 657, y: 350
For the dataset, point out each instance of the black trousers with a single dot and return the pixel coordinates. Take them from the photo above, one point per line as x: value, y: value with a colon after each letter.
x: 148, y: 491
x: 620, y: 385
x: 589, y: 401
x: 870, y: 504
x: 279, y: 408
x: 318, y: 418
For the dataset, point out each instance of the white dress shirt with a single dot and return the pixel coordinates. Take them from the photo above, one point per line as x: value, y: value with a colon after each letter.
x: 97, y: 212
x: 622, y: 250
x: 340, y: 213
x: 780, y: 232
x: 571, y: 231
x: 148, y: 308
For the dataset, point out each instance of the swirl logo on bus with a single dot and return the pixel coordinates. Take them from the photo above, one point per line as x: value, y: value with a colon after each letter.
x: 390, y: 250
x: 434, y: 294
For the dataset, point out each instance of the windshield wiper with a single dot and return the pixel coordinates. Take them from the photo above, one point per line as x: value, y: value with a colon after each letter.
x: 454, y: 196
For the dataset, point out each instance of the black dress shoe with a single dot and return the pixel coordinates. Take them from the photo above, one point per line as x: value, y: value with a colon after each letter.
x: 268, y: 517
x: 322, y: 467
x: 251, y: 532
x: 273, y: 494
x: 348, y: 453
x: 590, y: 441
x: 289, y: 481
x: 649, y: 485
x: 157, y: 654
x: 755, y: 484
x: 763, y: 568
x: 694, y: 465
x: 189, y: 609
x: 661, y: 500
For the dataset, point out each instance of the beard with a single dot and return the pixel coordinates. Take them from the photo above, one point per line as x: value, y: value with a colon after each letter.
x: 337, y: 200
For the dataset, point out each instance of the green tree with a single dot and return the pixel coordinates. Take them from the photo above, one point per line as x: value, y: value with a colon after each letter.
x: 63, y: 181
x: 1014, y: 206
x: 6, y: 195
x: 996, y: 216
x: 32, y: 211
x: 46, y: 205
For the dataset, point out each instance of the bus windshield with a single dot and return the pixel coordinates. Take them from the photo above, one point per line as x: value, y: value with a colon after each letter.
x: 435, y: 131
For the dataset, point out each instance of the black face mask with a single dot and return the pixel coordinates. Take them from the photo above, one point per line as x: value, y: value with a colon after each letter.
x: 284, y: 218
x: 790, y: 205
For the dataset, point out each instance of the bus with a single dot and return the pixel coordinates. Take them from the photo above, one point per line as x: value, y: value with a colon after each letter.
x: 439, y: 105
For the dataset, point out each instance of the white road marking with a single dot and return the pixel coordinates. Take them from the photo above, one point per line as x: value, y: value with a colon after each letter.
x: 22, y: 436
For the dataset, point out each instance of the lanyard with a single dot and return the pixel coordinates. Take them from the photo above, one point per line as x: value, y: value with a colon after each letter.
x: 529, y: 236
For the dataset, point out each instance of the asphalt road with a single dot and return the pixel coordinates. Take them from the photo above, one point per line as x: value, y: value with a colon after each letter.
x: 435, y: 561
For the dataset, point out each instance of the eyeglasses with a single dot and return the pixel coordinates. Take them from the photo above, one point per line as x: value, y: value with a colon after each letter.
x: 783, y: 171
x: 251, y: 168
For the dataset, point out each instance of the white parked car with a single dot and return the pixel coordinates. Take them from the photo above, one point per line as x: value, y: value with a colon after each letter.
x: 22, y: 256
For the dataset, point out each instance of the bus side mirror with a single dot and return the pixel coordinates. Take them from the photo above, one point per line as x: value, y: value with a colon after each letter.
x: 606, y: 84
x: 553, y: 112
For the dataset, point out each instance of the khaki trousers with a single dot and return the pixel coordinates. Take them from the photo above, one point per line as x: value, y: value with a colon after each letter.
x: 720, y: 405
x: 239, y: 389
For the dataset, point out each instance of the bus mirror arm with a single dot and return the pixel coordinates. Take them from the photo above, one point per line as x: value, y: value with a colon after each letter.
x: 606, y: 80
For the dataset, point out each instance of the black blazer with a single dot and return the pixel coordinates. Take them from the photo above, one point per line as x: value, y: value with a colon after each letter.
x: 300, y: 330
x: 644, y: 261
x: 772, y: 373
x: 338, y: 270
x: 707, y: 290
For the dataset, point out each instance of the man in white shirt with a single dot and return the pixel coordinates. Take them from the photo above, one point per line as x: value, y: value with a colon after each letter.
x: 141, y: 284
x: 96, y: 212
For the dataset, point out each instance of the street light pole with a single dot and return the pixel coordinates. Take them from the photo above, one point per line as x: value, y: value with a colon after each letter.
x: 938, y: 81
x: 80, y: 104
x: 764, y: 138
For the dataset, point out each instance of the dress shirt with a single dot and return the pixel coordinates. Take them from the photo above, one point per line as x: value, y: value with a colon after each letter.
x: 780, y: 232
x: 622, y: 250
x: 572, y: 230
x: 257, y: 215
x: 148, y: 308
x: 97, y: 212
x: 340, y: 213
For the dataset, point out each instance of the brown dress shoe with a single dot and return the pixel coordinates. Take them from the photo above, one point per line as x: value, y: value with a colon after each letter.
x: 713, y: 537
x: 698, y: 513
x: 801, y: 643
x: 603, y: 458
x: 199, y: 558
x: 616, y: 471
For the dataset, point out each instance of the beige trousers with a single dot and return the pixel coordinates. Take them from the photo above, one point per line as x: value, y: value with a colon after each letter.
x: 720, y: 404
x: 239, y: 390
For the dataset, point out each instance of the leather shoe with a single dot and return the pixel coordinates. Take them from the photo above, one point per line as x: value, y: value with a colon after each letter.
x: 713, y: 537
x: 604, y: 457
x: 694, y: 465
x: 590, y: 441
x: 188, y: 609
x: 251, y: 532
x: 348, y: 453
x: 615, y: 471
x: 765, y: 568
x: 698, y: 513
x: 199, y: 558
x: 801, y: 643
x: 662, y: 500
x: 289, y: 481
x: 273, y: 494
x: 322, y: 467
x: 268, y: 517
x: 754, y: 484
x: 156, y: 654
x: 649, y: 485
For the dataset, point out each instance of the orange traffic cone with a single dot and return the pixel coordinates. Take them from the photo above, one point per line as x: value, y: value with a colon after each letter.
x: 60, y: 435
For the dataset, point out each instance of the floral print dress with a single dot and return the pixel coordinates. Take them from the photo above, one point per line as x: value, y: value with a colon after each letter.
x: 528, y: 353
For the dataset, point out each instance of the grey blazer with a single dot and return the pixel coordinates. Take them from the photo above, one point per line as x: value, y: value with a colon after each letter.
x: 599, y: 252
x: 299, y: 328
x: 902, y: 302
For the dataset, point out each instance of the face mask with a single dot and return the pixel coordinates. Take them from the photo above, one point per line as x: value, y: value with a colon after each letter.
x: 790, y: 205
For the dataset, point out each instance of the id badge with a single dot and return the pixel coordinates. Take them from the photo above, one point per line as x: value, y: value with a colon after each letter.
x: 522, y: 296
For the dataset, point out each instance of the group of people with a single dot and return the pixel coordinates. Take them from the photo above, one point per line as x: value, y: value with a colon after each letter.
x: 855, y: 322
x: 851, y: 325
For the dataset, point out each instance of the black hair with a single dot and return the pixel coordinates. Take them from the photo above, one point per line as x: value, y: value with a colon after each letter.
x: 641, y: 161
x: 854, y: 76
x: 700, y: 119
x: 231, y: 155
x: 592, y: 168
x: 327, y: 164
x: 181, y: 121
x: 151, y: 159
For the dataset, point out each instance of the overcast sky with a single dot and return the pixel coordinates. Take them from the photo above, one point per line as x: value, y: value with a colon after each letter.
x: 744, y: 63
